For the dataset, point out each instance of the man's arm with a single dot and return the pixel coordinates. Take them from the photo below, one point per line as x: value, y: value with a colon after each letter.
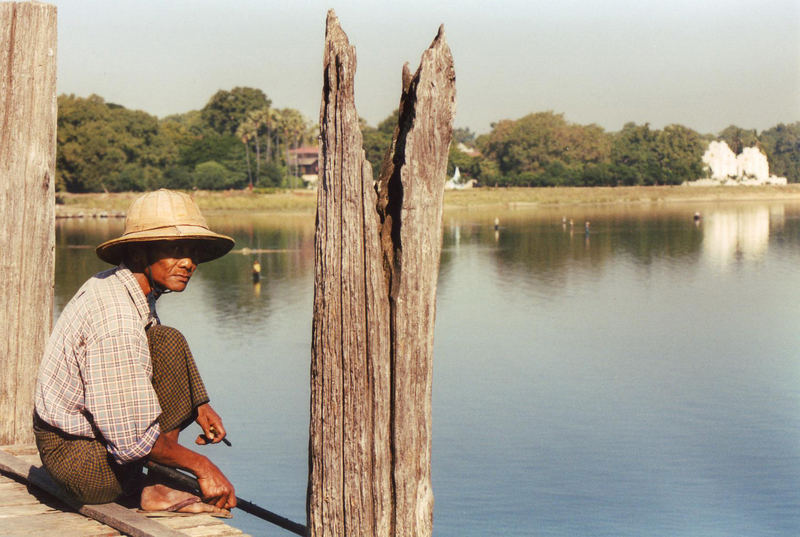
x: 215, y: 487
x: 119, y: 395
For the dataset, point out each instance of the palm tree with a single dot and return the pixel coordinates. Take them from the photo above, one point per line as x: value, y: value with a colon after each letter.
x: 254, y: 122
x: 266, y: 120
x: 294, y: 129
x: 244, y: 132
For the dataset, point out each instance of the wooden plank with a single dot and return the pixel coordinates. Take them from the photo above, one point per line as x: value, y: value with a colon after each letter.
x: 200, y: 524
x: 181, y: 522
x: 111, y: 514
x: 127, y: 521
x: 31, y: 504
x: 27, y: 206
x: 49, y: 524
x: 17, y: 496
x: 19, y: 450
x: 211, y: 531
x: 25, y: 510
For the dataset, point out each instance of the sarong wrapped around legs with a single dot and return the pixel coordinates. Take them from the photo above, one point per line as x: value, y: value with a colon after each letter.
x: 84, y: 467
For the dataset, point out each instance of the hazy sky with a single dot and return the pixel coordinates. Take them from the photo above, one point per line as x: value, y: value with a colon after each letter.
x: 704, y: 64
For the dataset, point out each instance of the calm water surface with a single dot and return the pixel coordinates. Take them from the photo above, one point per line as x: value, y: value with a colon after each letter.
x: 641, y: 381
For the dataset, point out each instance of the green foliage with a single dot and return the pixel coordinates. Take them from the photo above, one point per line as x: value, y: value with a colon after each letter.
x: 782, y: 145
x: 458, y: 159
x: 99, y: 143
x: 679, y: 152
x: 271, y: 176
x: 210, y: 175
x: 641, y: 156
x: 737, y: 138
x: 214, y: 176
x: 226, y: 110
x: 135, y: 178
x: 376, y: 143
x: 84, y: 156
x: 238, y: 138
x: 178, y: 178
x: 633, y: 155
x: 541, y: 149
x: 488, y: 172
x: 462, y: 135
x: 534, y: 142
x: 544, y: 149
x: 597, y: 175
x: 209, y: 146
x: 106, y: 147
x: 388, y: 125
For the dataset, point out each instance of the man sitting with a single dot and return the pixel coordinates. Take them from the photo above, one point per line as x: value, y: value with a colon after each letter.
x: 115, y: 387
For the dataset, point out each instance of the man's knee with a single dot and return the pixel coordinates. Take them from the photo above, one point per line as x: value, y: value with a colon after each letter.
x: 94, y: 493
x: 167, y: 345
x: 162, y: 335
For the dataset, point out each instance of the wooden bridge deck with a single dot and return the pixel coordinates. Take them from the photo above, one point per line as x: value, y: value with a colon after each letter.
x: 26, y: 511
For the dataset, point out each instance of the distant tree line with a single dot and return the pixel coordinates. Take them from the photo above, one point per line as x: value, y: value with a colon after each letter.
x: 544, y: 149
x: 238, y: 139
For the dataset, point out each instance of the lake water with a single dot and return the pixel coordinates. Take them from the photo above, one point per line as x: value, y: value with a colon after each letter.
x: 643, y: 380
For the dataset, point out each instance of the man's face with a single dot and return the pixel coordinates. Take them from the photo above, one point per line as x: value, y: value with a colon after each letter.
x: 172, y: 263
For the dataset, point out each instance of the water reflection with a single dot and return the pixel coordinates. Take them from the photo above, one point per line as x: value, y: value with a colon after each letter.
x: 76, y: 240
x: 740, y: 233
x: 549, y: 246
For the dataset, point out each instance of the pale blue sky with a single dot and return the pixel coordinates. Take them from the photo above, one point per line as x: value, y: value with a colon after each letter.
x: 704, y: 64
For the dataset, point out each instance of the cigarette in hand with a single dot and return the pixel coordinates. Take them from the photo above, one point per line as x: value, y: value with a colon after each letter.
x: 224, y: 440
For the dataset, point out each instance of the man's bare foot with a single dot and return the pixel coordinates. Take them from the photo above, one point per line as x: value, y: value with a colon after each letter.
x: 162, y: 498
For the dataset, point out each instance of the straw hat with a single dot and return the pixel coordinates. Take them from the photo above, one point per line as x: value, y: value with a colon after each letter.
x: 165, y: 215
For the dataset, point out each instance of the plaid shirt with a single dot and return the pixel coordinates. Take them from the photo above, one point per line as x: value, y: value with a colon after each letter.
x: 95, y: 377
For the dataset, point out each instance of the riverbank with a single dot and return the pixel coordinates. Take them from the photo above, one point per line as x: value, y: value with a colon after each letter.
x: 304, y: 201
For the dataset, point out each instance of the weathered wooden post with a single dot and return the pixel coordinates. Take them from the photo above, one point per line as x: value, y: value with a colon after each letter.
x: 377, y: 260
x: 27, y: 205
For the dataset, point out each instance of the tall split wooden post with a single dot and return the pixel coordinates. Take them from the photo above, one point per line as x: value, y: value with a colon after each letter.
x: 27, y: 205
x: 377, y: 260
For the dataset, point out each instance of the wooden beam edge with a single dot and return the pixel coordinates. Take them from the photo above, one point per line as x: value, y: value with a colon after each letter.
x: 111, y: 514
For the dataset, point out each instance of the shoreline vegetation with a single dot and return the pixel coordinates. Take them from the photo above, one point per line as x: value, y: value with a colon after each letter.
x: 239, y: 140
x: 305, y: 201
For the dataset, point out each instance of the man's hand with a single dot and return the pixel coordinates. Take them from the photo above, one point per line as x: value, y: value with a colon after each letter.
x: 215, y: 488
x: 211, y: 423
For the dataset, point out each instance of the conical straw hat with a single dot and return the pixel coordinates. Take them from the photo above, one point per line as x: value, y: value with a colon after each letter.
x: 165, y: 215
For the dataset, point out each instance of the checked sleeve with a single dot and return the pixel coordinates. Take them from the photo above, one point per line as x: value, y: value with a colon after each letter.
x: 119, y: 393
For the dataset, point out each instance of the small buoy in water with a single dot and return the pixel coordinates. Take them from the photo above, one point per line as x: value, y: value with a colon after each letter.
x: 496, y: 224
x: 586, y: 227
x: 697, y: 217
x: 256, y: 271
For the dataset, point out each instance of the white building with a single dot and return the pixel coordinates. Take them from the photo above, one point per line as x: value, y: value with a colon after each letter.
x: 723, y: 167
x: 455, y: 183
